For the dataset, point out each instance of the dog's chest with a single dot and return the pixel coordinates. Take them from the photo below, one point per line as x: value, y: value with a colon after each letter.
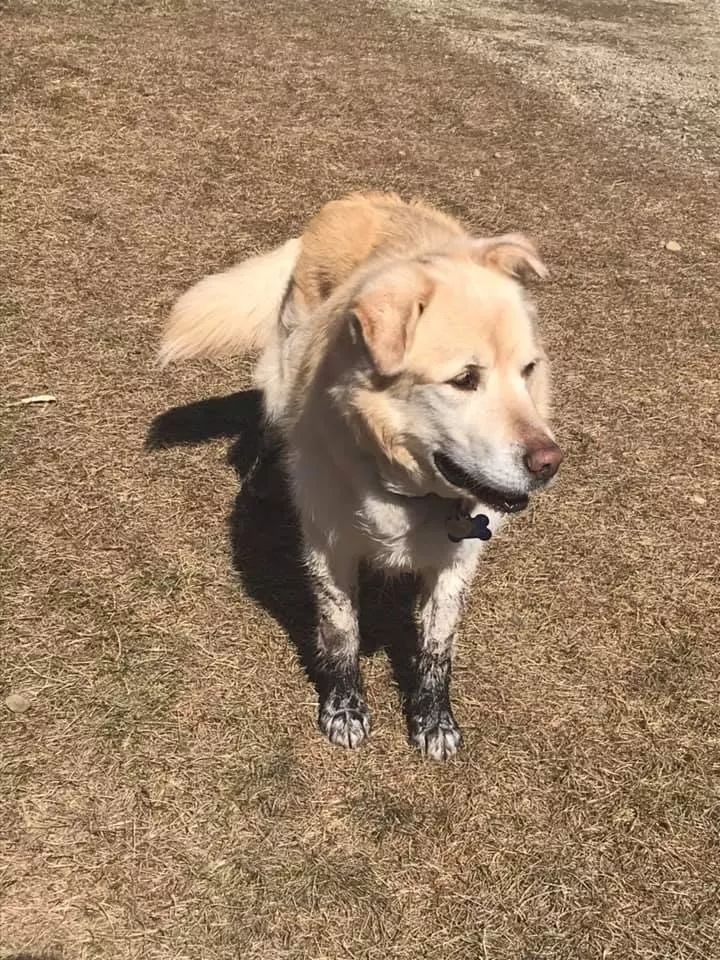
x: 407, y: 534
x: 353, y: 514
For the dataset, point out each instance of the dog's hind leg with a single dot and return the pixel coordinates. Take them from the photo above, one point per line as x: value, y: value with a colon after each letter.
x: 430, y: 719
x: 344, y: 717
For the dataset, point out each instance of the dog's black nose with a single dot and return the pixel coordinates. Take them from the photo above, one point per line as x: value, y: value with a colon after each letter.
x: 543, y: 459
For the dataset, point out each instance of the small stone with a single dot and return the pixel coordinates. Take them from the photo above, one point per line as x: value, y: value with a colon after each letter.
x: 626, y: 815
x: 476, y: 172
x: 673, y: 245
x: 17, y: 703
x: 700, y: 501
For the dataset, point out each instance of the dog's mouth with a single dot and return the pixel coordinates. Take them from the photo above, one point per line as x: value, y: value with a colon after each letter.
x: 497, y: 499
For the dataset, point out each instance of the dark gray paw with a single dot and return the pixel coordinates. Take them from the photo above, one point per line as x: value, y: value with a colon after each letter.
x: 436, y: 736
x: 345, y: 719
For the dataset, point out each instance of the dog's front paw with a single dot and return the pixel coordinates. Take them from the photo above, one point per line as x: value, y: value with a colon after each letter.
x: 345, y: 719
x: 437, y: 736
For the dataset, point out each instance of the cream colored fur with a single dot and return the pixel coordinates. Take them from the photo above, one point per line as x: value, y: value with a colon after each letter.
x: 369, y: 327
x: 230, y: 312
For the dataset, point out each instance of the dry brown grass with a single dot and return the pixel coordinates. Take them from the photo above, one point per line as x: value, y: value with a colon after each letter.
x: 166, y: 794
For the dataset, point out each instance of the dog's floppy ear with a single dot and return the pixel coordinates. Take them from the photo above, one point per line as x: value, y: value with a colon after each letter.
x: 512, y: 253
x: 387, y: 310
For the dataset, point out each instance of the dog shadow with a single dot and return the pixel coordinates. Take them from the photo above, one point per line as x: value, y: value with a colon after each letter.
x: 265, y: 540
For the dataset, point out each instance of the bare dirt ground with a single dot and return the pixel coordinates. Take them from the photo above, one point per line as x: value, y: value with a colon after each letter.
x: 165, y: 794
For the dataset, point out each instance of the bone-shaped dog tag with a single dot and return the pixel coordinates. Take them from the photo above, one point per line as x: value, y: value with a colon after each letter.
x: 462, y: 526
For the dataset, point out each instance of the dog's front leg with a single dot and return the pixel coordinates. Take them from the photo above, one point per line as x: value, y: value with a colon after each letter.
x: 432, y: 725
x: 344, y: 717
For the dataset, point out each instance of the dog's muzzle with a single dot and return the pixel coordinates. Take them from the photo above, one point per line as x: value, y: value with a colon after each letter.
x: 499, y: 500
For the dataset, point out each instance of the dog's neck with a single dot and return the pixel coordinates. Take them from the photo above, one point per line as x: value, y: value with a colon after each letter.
x: 461, y: 518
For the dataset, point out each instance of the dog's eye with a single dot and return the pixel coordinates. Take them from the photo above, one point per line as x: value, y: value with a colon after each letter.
x: 469, y: 379
x: 528, y: 369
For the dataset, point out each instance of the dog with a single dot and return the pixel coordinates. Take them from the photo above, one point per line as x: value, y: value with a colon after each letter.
x: 401, y: 366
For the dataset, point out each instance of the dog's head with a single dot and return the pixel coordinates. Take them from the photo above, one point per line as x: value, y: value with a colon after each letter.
x: 453, y: 393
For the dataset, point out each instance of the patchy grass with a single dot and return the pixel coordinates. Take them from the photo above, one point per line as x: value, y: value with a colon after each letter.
x: 166, y: 794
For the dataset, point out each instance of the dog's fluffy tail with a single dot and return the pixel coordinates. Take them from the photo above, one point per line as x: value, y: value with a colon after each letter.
x: 232, y: 312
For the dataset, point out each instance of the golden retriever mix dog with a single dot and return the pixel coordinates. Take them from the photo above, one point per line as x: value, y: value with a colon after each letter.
x: 400, y: 364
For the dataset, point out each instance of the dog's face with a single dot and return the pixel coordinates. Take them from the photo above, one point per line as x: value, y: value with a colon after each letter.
x: 457, y: 399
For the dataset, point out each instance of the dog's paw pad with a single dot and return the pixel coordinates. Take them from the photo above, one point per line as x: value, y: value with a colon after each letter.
x: 345, y: 721
x: 440, y: 740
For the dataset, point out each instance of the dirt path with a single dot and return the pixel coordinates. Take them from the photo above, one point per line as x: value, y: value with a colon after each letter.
x: 165, y: 793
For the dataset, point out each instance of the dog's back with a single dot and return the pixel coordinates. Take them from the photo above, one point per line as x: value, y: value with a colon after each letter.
x: 348, y: 233
x: 237, y: 311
